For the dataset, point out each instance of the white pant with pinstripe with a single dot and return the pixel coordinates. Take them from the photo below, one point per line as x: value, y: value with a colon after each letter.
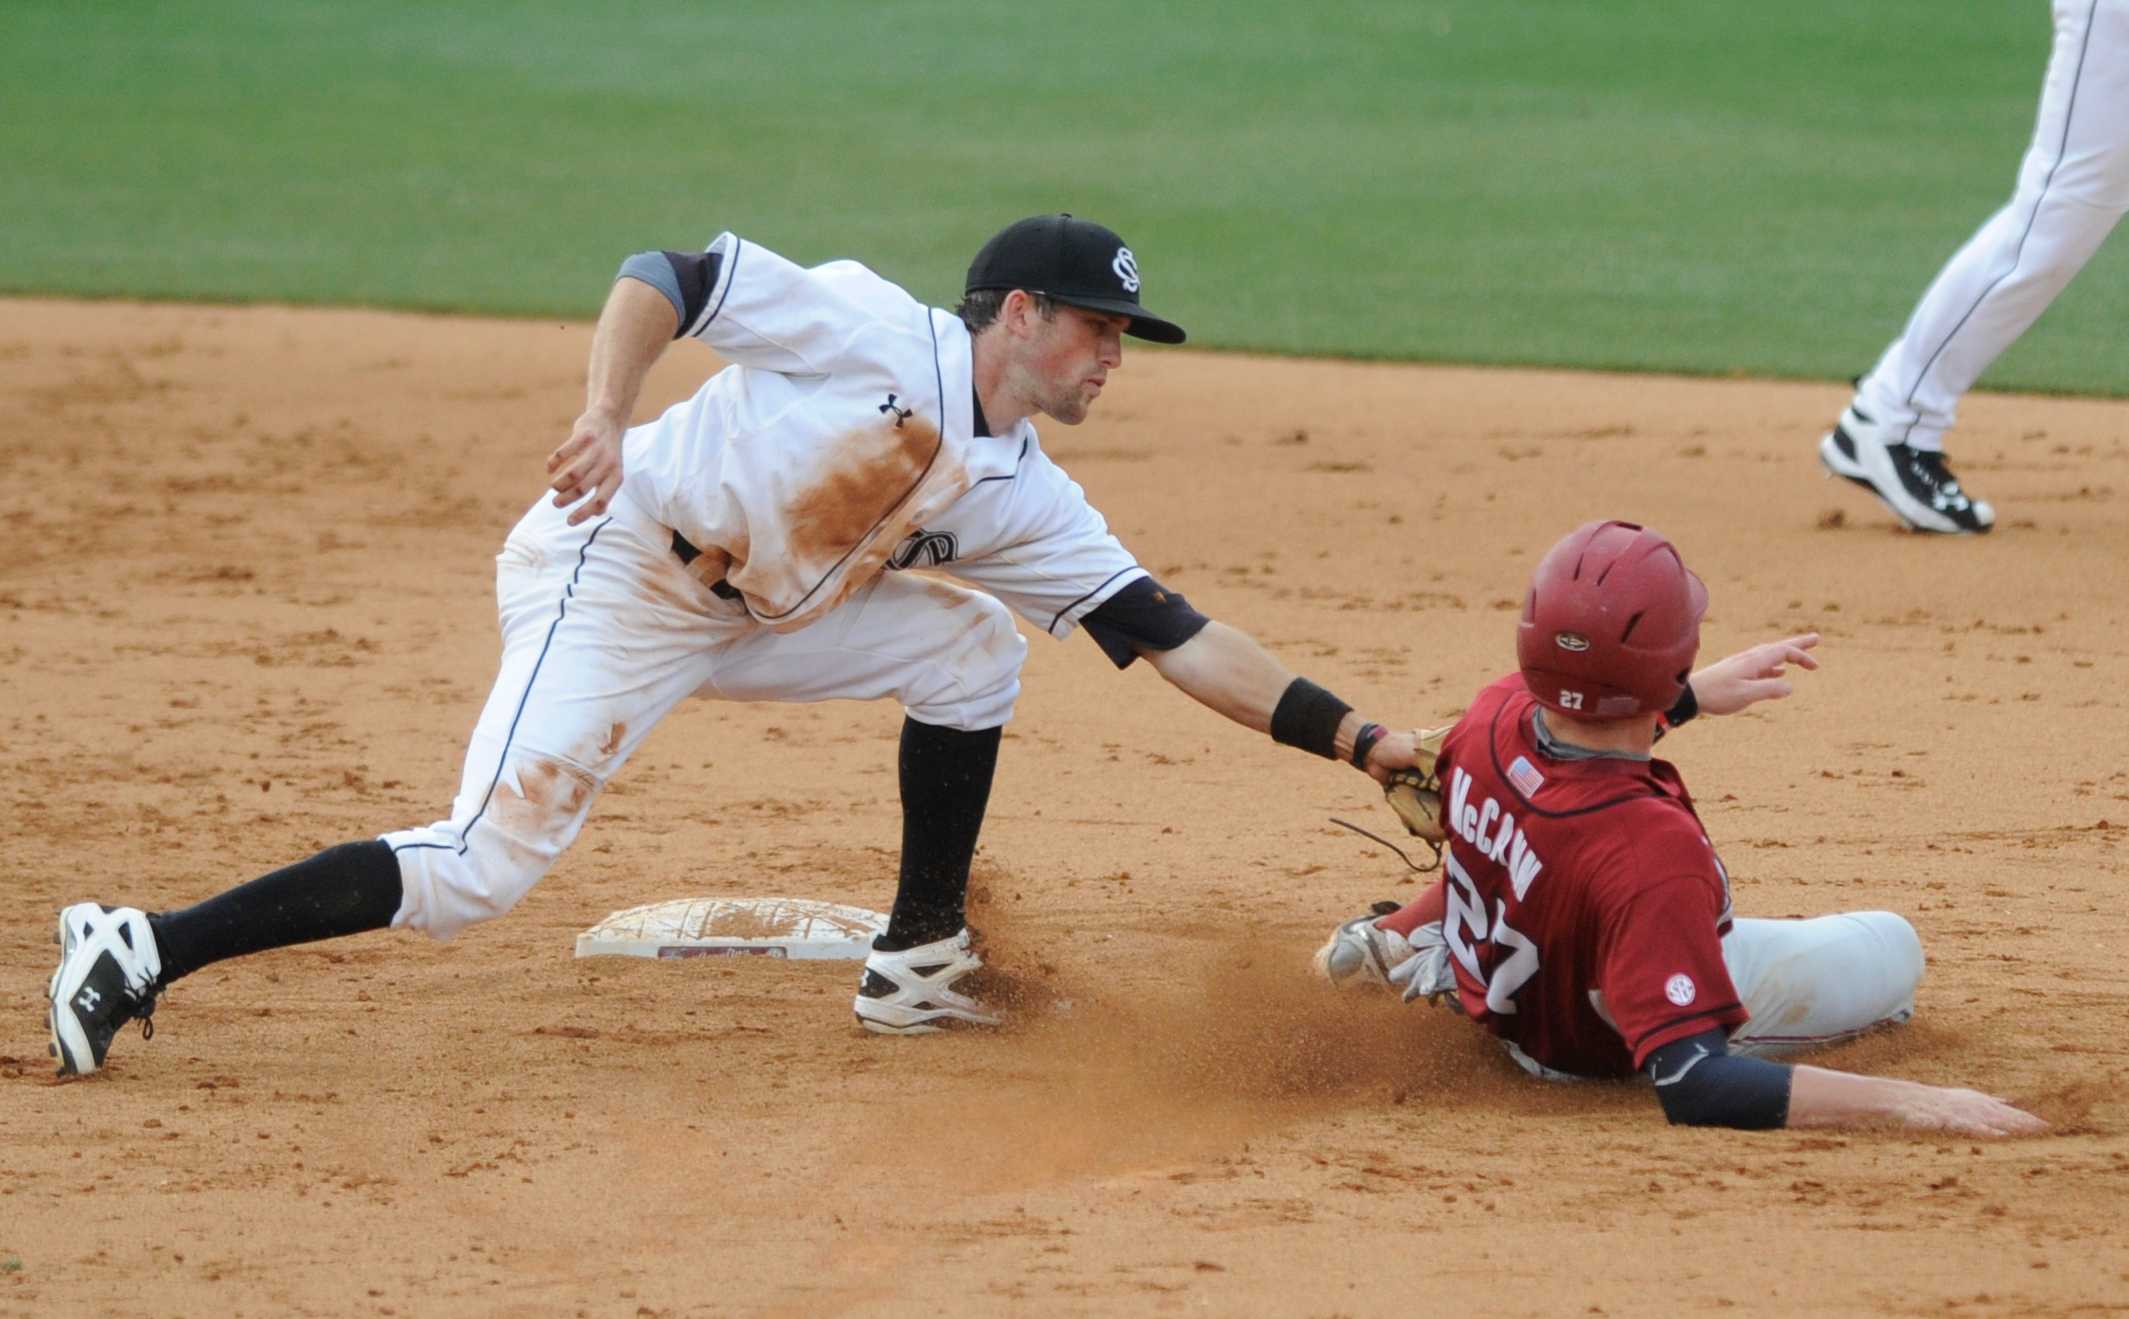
x: 2072, y: 188
x: 604, y: 633
x: 1810, y: 983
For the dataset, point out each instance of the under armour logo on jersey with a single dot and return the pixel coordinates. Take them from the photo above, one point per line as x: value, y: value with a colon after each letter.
x: 1126, y: 268
x: 900, y: 414
x: 925, y: 549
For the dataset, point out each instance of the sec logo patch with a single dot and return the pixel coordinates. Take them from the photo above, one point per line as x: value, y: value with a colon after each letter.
x: 1680, y: 990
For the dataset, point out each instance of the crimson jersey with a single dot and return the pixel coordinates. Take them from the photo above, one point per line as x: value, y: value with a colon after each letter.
x: 1586, y: 906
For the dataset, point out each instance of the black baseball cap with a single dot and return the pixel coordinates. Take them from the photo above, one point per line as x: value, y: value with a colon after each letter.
x: 1075, y: 261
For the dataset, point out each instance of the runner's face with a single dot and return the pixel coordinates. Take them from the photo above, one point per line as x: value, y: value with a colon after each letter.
x: 1067, y: 360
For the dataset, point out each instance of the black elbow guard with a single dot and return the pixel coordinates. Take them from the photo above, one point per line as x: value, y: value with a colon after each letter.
x: 1701, y: 1084
x: 1146, y: 615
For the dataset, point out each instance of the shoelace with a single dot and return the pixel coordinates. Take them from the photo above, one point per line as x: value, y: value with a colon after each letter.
x: 143, y: 1009
x: 1929, y: 465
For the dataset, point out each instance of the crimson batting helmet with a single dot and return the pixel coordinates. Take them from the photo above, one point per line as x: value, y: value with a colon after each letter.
x: 1611, y: 624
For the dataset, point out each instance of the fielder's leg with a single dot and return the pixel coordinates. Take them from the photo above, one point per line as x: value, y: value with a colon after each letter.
x: 603, y: 633
x: 1811, y: 983
x: 945, y: 776
x: 952, y: 657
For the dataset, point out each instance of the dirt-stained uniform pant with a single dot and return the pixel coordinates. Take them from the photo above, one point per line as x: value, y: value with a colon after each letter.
x: 604, y: 632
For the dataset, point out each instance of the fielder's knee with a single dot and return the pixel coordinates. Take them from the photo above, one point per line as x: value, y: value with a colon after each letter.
x: 452, y: 882
x: 974, y: 679
x: 458, y: 872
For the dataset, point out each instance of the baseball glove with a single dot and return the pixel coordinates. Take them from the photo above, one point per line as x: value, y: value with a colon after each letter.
x: 1415, y: 794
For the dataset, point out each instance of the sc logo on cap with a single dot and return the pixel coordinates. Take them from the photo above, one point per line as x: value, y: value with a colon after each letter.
x: 1126, y: 267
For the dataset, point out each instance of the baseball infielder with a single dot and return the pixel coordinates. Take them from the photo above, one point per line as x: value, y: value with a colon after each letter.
x: 749, y: 545
x: 1583, y: 917
x: 2072, y: 188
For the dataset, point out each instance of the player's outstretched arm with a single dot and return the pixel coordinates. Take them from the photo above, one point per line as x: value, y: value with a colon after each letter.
x: 1754, y: 675
x: 1225, y: 669
x: 637, y: 324
x: 1702, y: 1084
x: 1822, y: 1098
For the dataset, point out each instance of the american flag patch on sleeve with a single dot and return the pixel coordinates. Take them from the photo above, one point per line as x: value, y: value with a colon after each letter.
x: 1525, y: 776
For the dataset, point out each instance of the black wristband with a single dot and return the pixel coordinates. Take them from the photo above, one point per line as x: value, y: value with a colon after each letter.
x: 1307, y: 717
x: 1685, y: 708
x: 1364, y: 741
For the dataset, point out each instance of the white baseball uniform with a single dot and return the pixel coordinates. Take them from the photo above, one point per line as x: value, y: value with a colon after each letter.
x: 2072, y: 188
x: 837, y: 450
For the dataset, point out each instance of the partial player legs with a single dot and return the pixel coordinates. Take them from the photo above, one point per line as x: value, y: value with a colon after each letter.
x: 908, y: 983
x: 2072, y: 188
x: 945, y: 778
x: 1810, y: 983
x: 952, y: 657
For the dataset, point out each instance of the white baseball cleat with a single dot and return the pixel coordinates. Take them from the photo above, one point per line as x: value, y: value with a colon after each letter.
x: 1360, y: 953
x: 911, y: 992
x: 1913, y: 483
x: 108, y: 969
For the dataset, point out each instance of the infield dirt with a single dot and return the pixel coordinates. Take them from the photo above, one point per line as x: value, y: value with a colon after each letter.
x: 246, y: 610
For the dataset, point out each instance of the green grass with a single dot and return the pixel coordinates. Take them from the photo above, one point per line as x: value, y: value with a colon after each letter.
x: 1712, y: 186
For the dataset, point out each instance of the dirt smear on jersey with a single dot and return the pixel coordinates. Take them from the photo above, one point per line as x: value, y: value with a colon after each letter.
x: 289, y: 641
x: 849, y: 501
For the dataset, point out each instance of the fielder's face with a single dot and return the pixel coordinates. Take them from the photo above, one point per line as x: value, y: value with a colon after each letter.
x: 1065, y: 361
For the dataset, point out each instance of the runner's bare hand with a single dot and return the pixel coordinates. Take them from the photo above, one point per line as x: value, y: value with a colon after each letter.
x: 1968, y: 1112
x: 1754, y: 675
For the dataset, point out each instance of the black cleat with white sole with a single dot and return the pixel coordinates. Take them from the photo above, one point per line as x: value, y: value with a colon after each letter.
x: 109, y: 974
x: 1913, y: 483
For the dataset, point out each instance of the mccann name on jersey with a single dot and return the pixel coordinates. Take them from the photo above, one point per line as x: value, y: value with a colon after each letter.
x: 1490, y: 827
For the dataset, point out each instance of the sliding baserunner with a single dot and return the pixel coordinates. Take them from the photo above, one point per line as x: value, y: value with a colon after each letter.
x: 1583, y: 918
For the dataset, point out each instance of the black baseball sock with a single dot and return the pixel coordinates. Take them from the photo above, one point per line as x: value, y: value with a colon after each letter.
x: 946, y: 784
x: 342, y: 890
